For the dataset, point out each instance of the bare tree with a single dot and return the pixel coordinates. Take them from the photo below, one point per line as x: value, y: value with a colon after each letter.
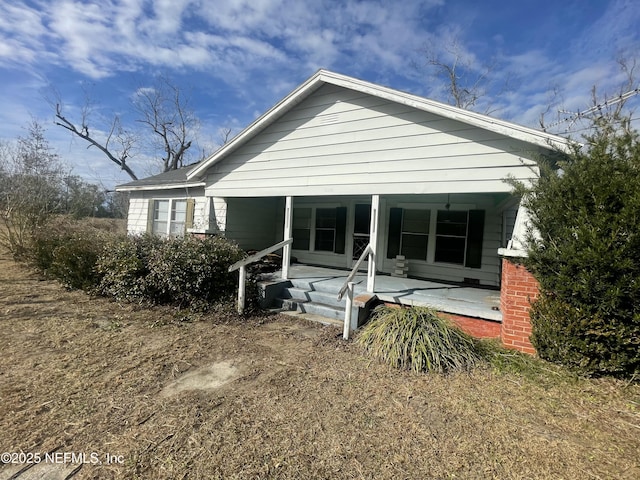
x: 466, y: 81
x: 162, y: 111
x: 31, y: 179
x: 125, y: 139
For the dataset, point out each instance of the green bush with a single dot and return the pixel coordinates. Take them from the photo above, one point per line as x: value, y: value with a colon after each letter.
x: 587, y: 256
x: 186, y: 272
x: 418, y: 339
x: 74, y: 261
x: 124, y: 266
x: 68, y: 250
x: 194, y: 272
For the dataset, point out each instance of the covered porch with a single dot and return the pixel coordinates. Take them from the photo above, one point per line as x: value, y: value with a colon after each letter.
x: 476, y: 310
x: 322, y: 247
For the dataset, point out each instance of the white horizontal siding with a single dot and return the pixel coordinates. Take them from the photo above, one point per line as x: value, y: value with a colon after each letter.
x: 343, y: 142
x: 137, y: 216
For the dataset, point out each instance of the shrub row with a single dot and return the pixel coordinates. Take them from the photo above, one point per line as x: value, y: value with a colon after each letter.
x: 185, y: 272
x: 69, y: 250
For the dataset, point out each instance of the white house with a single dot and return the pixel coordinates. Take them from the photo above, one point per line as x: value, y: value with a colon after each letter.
x: 339, y: 164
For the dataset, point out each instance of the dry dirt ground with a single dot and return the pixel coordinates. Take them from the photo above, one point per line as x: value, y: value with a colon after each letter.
x: 271, y: 397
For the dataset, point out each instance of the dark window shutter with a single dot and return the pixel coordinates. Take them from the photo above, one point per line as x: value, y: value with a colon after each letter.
x: 395, y: 231
x: 341, y: 229
x: 474, y: 239
x: 191, y: 207
x: 150, y: 208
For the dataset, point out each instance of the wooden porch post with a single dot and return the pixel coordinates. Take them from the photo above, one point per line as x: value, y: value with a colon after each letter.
x: 373, y: 241
x: 288, y: 229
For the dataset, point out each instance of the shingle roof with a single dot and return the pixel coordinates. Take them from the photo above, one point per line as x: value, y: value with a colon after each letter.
x: 171, y: 179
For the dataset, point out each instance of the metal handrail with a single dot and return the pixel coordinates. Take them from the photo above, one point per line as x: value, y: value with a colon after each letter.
x: 354, y: 270
x: 242, y: 266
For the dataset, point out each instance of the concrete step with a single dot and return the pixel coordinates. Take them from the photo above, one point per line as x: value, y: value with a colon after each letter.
x: 324, y: 284
x: 326, y: 298
x: 305, y: 306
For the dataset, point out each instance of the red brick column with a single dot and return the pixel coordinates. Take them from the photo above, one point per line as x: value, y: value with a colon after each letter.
x: 518, y: 290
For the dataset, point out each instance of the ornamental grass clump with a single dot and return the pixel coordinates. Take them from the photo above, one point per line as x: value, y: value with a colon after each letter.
x: 418, y: 339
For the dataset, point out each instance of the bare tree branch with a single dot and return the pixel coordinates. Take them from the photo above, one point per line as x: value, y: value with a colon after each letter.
x: 83, y: 133
x: 161, y: 110
x: 465, y: 83
x: 168, y: 116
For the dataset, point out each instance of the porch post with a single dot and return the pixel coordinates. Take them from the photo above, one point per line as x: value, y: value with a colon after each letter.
x: 288, y: 228
x: 373, y: 241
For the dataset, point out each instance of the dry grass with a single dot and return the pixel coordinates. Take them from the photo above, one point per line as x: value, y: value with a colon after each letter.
x: 86, y: 375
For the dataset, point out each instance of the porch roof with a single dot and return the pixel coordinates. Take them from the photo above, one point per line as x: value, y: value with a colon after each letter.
x: 454, y: 299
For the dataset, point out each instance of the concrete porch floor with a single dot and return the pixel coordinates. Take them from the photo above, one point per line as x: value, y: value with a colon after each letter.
x: 466, y: 301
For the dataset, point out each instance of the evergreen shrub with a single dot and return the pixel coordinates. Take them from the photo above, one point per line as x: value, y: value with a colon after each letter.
x: 68, y: 251
x: 185, y: 271
x: 586, y: 256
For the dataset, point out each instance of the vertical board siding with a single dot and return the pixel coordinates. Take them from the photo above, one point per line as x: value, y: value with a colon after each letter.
x: 343, y: 142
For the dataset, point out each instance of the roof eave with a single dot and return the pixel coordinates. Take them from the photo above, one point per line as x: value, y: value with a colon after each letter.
x: 296, y: 96
x: 168, y: 186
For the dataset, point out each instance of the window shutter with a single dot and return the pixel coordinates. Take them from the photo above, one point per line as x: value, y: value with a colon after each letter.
x: 474, y: 239
x: 341, y: 229
x: 395, y: 231
x: 150, y: 208
x: 191, y: 207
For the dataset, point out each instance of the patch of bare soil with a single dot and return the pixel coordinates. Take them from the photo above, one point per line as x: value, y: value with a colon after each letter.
x: 117, y: 391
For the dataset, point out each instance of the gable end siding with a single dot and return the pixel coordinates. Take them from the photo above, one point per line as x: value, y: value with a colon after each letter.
x: 343, y: 142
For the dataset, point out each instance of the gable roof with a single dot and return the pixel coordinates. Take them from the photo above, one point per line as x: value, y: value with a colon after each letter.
x: 322, y: 77
x: 163, y: 181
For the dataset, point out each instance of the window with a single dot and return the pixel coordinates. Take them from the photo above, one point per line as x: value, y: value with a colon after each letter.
x: 458, y: 235
x: 451, y: 236
x: 409, y: 233
x: 178, y: 217
x: 322, y: 228
x: 325, y: 229
x: 170, y: 217
x: 160, y: 216
x: 415, y: 234
x: 301, y: 228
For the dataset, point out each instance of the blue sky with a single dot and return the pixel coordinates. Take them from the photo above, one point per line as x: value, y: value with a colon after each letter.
x: 237, y: 58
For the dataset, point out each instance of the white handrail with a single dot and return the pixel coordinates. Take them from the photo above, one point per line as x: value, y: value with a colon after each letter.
x: 242, y: 265
x: 354, y: 270
x: 257, y: 256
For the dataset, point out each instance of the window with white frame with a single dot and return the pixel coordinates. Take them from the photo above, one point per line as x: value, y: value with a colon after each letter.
x: 319, y: 229
x: 325, y: 229
x: 178, y: 218
x: 171, y: 217
x: 451, y: 236
x: 415, y: 233
x: 458, y: 235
